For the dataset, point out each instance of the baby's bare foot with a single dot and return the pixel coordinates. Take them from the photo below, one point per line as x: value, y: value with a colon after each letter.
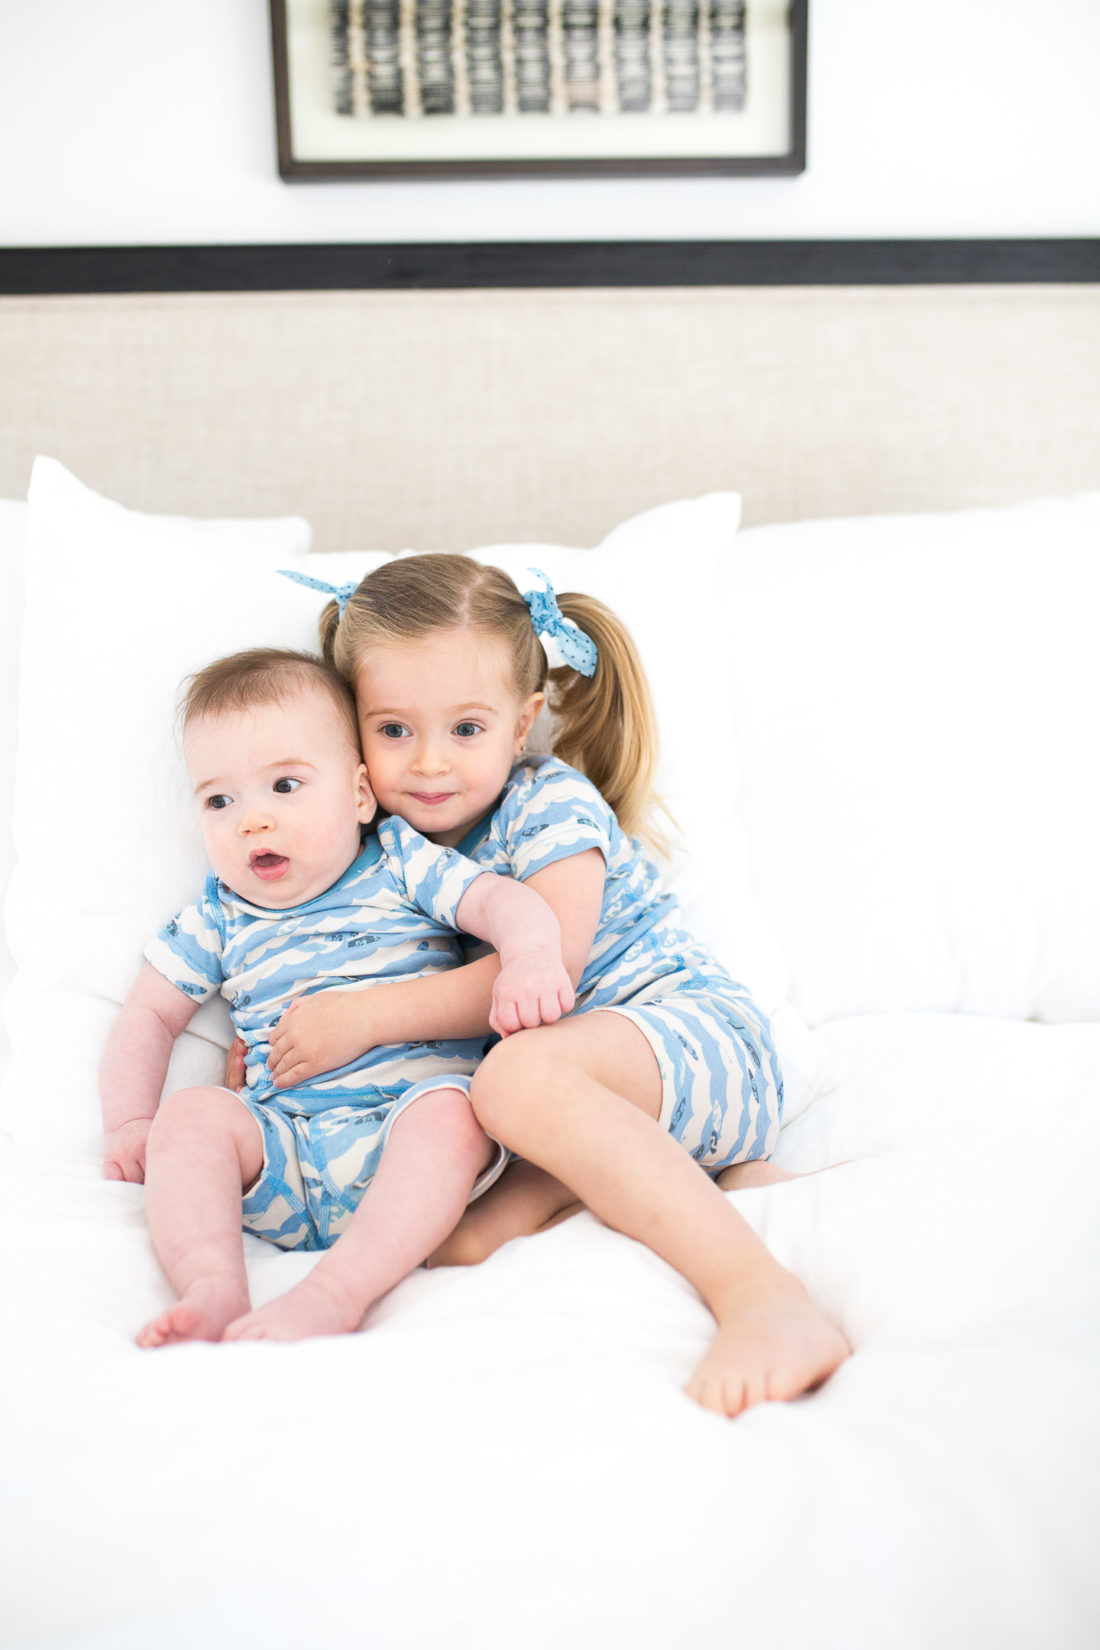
x: 202, y: 1314
x: 758, y: 1173
x: 312, y: 1307
x: 770, y: 1346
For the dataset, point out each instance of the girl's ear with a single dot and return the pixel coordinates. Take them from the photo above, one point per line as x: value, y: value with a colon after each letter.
x: 366, y: 806
x: 526, y: 719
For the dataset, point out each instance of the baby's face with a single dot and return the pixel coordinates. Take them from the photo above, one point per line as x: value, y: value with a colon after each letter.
x: 281, y: 795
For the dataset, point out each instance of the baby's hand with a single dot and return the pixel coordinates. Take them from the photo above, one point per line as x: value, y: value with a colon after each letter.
x: 124, y: 1152
x: 234, y: 1065
x: 317, y: 1033
x: 532, y: 991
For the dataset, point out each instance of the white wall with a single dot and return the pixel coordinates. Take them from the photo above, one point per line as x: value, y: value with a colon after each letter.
x: 150, y: 121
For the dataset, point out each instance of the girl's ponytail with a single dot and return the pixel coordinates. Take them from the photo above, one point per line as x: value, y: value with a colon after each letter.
x: 605, y: 724
x: 327, y: 626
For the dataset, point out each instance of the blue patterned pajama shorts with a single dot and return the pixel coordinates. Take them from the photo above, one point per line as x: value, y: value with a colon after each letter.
x: 723, y: 1089
x: 317, y: 1167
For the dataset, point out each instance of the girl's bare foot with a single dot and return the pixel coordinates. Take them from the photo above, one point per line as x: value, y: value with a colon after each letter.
x: 758, y: 1173
x: 773, y: 1344
x: 313, y: 1307
x: 202, y: 1313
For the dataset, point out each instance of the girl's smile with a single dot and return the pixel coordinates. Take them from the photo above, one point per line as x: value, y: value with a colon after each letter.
x: 442, y: 726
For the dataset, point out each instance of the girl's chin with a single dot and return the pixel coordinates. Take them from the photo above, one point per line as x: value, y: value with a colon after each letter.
x: 445, y: 820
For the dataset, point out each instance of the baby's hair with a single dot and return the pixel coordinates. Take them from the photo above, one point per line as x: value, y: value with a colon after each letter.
x: 264, y: 676
x: 604, y: 725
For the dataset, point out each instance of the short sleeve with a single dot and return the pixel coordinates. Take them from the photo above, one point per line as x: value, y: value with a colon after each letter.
x: 552, y: 815
x: 188, y: 949
x: 434, y: 878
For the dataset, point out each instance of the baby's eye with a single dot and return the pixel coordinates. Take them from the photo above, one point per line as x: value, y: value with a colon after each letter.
x: 393, y: 730
x: 467, y: 730
x: 218, y: 801
x: 285, y: 786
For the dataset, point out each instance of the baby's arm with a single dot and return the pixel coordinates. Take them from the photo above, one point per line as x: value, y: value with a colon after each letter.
x: 133, y: 1069
x: 329, y: 1028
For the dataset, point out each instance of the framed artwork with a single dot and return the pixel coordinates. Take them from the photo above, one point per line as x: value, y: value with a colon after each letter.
x: 506, y: 88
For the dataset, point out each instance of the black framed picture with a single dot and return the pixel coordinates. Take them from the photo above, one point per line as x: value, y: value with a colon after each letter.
x: 504, y: 88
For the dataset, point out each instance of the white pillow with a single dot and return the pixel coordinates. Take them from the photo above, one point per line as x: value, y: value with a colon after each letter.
x: 121, y: 606
x: 915, y: 701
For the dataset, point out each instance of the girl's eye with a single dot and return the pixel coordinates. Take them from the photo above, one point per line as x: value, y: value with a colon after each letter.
x: 467, y: 730
x: 218, y: 801
x: 285, y: 786
x: 393, y: 730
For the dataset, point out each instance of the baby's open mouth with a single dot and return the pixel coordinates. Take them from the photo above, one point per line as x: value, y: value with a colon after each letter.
x: 268, y: 866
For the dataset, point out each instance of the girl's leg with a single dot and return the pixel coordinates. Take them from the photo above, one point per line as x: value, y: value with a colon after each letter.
x: 524, y: 1200
x: 759, y: 1172
x: 204, y: 1146
x: 581, y: 1099
x: 433, y: 1156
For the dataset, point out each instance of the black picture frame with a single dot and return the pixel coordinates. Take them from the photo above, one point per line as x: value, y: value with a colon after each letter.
x: 765, y: 136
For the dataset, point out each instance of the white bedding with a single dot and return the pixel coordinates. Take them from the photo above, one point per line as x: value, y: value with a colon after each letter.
x: 503, y: 1457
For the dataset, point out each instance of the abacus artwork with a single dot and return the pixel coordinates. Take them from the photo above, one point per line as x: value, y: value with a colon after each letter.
x: 467, y: 87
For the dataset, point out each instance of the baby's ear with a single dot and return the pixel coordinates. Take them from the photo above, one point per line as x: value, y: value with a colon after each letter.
x: 366, y: 806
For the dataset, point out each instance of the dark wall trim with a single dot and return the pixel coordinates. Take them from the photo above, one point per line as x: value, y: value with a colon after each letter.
x: 280, y: 268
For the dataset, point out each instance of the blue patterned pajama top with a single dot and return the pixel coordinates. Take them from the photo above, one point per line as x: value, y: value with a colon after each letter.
x: 391, y: 916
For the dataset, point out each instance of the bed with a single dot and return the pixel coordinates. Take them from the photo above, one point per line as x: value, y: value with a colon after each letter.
x: 856, y: 533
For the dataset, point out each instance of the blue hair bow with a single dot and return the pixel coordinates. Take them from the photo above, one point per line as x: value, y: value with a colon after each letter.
x: 342, y: 592
x: 577, y: 649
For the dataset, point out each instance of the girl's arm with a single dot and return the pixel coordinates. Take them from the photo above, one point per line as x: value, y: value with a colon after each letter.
x: 329, y: 1028
x: 533, y: 987
x: 134, y: 1066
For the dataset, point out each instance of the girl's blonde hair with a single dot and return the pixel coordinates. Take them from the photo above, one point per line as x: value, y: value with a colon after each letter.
x: 604, y: 724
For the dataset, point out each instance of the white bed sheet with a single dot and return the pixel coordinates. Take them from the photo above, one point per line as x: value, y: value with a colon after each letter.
x: 504, y: 1456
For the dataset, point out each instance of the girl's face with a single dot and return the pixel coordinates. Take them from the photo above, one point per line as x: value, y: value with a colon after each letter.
x: 441, y: 724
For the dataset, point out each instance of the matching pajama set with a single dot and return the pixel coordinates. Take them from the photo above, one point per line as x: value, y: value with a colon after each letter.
x: 723, y: 1089
x: 391, y: 916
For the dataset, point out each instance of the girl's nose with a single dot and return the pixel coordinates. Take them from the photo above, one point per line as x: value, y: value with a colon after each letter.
x: 431, y: 758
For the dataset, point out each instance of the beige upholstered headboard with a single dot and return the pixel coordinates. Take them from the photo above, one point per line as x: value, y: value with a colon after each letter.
x: 448, y: 419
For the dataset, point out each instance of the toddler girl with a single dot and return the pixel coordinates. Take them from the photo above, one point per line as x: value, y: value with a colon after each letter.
x: 373, y: 1161
x: 664, y: 1051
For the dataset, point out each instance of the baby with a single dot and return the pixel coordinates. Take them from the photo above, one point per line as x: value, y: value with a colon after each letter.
x: 373, y: 1162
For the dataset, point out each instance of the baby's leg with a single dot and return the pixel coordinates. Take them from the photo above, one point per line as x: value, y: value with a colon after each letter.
x: 582, y: 1099
x: 431, y: 1161
x: 203, y: 1147
x: 524, y: 1200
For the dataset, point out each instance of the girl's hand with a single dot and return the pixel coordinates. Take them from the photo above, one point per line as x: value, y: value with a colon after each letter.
x: 124, y: 1152
x: 318, y: 1033
x: 532, y: 991
x: 234, y: 1065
